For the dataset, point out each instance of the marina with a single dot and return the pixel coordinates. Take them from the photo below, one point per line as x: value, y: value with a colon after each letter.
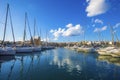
x: 59, y: 40
x: 24, y: 47
x: 35, y: 45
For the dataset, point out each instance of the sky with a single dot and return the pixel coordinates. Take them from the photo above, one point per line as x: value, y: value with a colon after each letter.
x: 63, y: 20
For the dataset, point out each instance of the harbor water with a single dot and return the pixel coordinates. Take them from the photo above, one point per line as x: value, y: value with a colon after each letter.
x: 58, y: 64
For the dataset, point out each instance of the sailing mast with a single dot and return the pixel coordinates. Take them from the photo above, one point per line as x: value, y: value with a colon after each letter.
x: 99, y: 39
x: 34, y: 30
x: 30, y: 31
x: 5, y: 25
x: 12, y: 27
x: 37, y: 40
x: 112, y: 34
x: 24, y: 29
x: 46, y: 39
x: 7, y: 51
x: 84, y: 37
x: 40, y: 35
x: 8, y: 12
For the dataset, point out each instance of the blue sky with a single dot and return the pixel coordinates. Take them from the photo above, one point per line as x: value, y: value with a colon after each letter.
x: 64, y: 20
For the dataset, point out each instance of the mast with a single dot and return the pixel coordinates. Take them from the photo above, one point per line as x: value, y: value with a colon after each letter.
x: 84, y: 36
x: 12, y: 27
x: 24, y: 29
x: 112, y: 34
x: 40, y: 36
x: 5, y: 24
x: 46, y: 39
x: 117, y: 42
x: 116, y: 37
x: 34, y: 31
x: 40, y: 32
x: 30, y: 31
x: 34, y: 27
x: 99, y: 37
x: 36, y: 41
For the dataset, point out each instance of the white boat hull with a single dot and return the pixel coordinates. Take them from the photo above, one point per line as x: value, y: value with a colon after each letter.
x: 108, y: 51
x: 7, y: 52
x: 24, y: 49
x: 87, y: 50
x: 103, y: 53
x: 37, y: 49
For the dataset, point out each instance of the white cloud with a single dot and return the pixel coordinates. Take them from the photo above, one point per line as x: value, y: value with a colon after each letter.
x: 100, y: 29
x: 98, y: 21
x: 51, y: 30
x: 69, y: 31
x: 96, y: 7
x: 57, y: 33
x: 73, y: 30
x: 69, y: 25
x: 117, y: 25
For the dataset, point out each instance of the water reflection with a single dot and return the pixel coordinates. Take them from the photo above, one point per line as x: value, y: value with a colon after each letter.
x: 21, y: 64
x: 110, y: 59
x: 59, y: 64
x: 64, y: 60
x: 85, y: 65
x: 27, y: 65
x: 6, y: 58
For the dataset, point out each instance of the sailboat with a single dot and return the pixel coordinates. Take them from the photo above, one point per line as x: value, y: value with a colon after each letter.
x: 24, y: 48
x: 36, y: 41
x: 4, y: 50
x: 111, y: 50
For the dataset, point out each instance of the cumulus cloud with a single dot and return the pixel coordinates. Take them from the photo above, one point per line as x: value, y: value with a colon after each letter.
x: 73, y: 30
x: 98, y: 21
x: 69, y: 25
x: 96, y: 7
x: 57, y: 33
x: 69, y: 31
x: 100, y: 29
x: 117, y: 25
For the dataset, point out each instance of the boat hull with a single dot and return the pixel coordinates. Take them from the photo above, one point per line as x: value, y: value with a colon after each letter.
x: 37, y: 49
x: 7, y: 52
x: 24, y: 50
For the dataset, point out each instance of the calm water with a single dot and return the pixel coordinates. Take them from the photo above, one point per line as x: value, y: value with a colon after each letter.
x: 58, y: 64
